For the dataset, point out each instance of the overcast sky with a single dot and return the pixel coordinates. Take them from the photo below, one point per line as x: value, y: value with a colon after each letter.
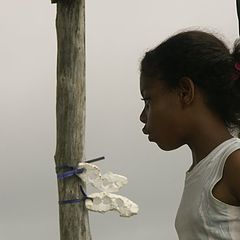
x: 117, y: 35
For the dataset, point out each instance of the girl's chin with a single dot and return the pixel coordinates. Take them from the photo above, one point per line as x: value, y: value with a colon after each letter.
x: 150, y: 138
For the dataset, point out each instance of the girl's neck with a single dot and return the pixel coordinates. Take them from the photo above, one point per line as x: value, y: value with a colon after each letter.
x: 206, y: 139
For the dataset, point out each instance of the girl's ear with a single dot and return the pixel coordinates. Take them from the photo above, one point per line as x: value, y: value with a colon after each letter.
x: 186, y: 91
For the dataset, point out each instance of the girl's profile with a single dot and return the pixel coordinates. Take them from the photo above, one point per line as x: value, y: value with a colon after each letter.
x: 190, y: 84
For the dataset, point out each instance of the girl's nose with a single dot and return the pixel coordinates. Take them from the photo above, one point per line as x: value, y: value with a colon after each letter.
x: 143, y: 117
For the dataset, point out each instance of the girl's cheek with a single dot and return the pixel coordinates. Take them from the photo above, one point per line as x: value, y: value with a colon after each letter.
x: 146, y: 109
x: 148, y: 115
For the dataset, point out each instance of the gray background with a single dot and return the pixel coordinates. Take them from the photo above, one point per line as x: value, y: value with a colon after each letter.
x: 117, y: 35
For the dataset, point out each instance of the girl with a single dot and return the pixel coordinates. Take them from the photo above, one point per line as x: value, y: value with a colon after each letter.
x: 191, y: 87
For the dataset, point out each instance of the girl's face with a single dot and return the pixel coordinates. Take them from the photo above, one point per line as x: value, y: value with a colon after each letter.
x: 162, y: 114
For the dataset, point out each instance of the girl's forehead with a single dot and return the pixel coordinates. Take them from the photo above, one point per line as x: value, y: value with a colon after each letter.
x: 147, y: 84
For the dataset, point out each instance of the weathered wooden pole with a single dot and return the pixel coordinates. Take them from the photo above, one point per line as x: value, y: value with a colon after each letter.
x: 70, y: 110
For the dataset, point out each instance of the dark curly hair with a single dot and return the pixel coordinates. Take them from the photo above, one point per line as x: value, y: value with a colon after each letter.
x: 205, y: 59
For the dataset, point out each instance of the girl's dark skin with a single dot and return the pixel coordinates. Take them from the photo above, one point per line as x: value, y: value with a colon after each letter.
x: 176, y: 117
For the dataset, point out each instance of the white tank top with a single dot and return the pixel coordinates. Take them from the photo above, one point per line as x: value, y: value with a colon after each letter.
x: 200, y: 215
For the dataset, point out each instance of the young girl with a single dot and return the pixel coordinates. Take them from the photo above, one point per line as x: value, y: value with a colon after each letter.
x: 191, y: 87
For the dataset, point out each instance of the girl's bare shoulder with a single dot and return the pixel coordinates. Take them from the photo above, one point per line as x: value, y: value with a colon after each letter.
x: 232, y: 173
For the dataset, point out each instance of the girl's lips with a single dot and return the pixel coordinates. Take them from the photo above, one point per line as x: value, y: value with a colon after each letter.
x: 144, y: 130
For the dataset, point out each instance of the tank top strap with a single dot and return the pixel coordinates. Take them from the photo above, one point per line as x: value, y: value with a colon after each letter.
x: 227, y: 148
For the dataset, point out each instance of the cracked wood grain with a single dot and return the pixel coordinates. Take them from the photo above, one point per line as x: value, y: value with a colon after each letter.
x: 70, y: 111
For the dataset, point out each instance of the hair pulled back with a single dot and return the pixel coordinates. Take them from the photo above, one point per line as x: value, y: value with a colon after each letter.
x: 209, y: 63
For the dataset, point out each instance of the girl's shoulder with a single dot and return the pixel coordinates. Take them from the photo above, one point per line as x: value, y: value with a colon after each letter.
x: 232, y: 174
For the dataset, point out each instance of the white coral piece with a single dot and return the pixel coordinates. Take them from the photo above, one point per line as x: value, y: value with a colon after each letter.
x: 103, y: 202
x: 108, y: 182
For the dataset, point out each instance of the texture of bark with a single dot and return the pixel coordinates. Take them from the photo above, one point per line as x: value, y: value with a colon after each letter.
x: 70, y: 109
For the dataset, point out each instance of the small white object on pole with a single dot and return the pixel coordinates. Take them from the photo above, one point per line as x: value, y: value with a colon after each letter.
x: 104, y: 202
x: 107, y: 183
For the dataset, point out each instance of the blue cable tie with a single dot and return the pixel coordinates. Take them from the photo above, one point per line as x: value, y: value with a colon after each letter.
x: 70, y: 173
x: 83, y: 192
x: 70, y: 201
x: 95, y: 159
x: 73, y: 170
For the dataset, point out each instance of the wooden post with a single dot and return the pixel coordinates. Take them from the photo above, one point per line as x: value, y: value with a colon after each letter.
x: 70, y: 110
